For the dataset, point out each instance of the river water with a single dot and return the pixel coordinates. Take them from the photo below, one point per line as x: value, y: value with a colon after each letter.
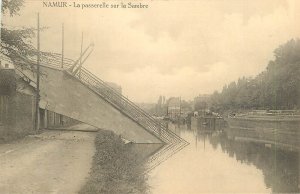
x: 215, y: 162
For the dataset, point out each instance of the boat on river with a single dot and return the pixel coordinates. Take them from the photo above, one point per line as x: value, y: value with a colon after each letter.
x: 276, y: 119
x: 277, y: 127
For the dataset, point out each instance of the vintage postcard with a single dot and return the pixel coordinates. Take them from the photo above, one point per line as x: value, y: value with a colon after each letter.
x: 150, y: 96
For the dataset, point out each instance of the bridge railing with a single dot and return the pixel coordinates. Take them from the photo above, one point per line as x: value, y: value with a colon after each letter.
x: 126, y: 106
x: 173, y: 142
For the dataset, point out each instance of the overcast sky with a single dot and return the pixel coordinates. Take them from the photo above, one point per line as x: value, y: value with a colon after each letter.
x: 173, y: 48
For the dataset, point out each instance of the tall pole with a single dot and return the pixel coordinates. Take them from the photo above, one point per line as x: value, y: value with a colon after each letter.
x: 62, y: 46
x: 81, y: 55
x: 81, y: 47
x: 1, y: 25
x: 38, y: 75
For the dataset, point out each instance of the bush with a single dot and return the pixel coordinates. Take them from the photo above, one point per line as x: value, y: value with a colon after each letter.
x: 116, y: 167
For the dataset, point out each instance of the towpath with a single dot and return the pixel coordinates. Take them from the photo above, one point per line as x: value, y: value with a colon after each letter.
x: 52, y: 162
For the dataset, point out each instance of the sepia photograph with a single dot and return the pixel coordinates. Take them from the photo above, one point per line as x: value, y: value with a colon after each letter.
x: 149, y: 96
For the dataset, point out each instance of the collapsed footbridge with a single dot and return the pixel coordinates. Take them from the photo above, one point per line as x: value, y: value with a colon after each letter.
x: 79, y: 94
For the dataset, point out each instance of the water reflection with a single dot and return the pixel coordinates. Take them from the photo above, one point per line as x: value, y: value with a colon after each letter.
x: 280, y: 167
x: 218, y: 162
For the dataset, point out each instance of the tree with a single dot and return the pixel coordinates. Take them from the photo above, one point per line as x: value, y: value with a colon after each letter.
x: 16, y: 43
x: 17, y: 40
x: 278, y: 87
x: 11, y: 6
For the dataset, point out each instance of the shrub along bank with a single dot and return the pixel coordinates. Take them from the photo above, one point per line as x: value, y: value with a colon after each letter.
x: 116, y: 168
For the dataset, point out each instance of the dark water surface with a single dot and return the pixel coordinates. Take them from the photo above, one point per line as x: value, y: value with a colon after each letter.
x: 216, y: 162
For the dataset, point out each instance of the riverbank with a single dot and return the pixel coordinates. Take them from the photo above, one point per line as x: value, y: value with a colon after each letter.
x: 116, y: 168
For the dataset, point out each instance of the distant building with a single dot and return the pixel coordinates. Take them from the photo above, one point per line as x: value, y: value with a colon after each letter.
x: 174, y: 108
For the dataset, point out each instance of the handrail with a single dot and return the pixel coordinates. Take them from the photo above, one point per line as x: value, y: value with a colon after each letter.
x: 121, y: 101
x: 132, y: 109
x: 173, y: 142
x: 121, y: 98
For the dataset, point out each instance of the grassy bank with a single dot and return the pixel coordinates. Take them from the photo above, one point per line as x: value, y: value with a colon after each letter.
x: 116, y: 168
